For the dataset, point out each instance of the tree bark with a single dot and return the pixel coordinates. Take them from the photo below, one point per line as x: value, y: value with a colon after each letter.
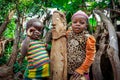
x: 118, y: 35
x: 15, y: 50
x: 8, y: 68
x: 100, y: 49
x: 6, y: 73
x: 7, y: 20
x: 58, y: 51
x: 116, y: 11
x: 96, y: 69
x: 2, y: 45
x: 119, y: 1
x: 113, y: 55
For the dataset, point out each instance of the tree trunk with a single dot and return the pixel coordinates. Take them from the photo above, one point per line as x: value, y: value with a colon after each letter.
x: 8, y: 68
x: 59, y: 51
x: 4, y: 25
x: 118, y: 35
x: 112, y: 49
x: 2, y: 45
x: 96, y: 68
x: 100, y: 36
x: 6, y: 73
x: 13, y: 56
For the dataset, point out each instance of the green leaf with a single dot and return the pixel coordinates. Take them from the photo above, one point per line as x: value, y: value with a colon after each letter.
x: 92, y: 22
x: 9, y: 32
x: 92, y: 25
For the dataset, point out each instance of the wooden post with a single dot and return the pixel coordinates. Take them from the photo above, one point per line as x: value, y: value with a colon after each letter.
x: 58, y: 54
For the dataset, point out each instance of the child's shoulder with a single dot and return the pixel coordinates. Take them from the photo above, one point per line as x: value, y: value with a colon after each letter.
x: 90, y: 37
x: 67, y: 32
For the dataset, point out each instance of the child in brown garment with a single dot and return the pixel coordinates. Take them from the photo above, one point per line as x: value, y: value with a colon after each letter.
x: 81, y: 48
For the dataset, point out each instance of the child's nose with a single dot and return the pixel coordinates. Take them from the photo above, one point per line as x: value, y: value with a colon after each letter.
x: 78, y: 23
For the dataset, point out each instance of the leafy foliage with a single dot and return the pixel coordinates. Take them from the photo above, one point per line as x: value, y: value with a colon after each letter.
x: 92, y: 25
x: 18, y: 67
x: 5, y: 7
x: 8, y: 50
x: 10, y: 31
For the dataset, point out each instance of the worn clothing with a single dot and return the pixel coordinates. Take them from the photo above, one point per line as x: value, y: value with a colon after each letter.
x: 38, y: 60
x: 37, y: 79
x: 81, y: 51
x: 80, y: 77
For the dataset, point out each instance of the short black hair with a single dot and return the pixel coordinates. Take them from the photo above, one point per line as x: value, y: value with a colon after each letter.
x: 31, y: 22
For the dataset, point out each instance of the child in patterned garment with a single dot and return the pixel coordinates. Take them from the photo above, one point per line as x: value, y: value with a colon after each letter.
x: 35, y: 51
x: 81, y: 48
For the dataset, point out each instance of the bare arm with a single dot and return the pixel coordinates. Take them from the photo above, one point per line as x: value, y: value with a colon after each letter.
x: 24, y: 49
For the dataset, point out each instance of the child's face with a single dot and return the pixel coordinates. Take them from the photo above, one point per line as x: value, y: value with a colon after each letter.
x: 34, y: 32
x: 79, y: 23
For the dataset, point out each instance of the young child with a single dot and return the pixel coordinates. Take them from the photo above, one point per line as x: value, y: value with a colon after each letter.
x: 35, y: 51
x: 81, y: 48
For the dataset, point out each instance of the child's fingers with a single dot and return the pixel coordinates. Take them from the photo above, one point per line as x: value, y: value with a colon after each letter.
x: 76, y: 74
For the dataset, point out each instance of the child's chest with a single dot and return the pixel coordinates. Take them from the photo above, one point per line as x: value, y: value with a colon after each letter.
x: 76, y: 41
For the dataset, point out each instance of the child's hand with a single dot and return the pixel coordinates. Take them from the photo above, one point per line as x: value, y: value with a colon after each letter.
x: 76, y: 74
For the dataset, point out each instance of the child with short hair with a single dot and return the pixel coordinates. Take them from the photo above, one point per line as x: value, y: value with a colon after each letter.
x: 35, y: 51
x: 81, y: 48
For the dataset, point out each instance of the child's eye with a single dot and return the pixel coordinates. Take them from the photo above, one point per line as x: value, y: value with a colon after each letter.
x: 39, y: 29
x: 74, y: 22
x: 82, y: 22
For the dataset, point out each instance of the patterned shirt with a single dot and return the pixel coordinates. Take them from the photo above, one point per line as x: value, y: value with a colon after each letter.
x: 76, y: 51
x: 81, y: 52
x: 38, y: 60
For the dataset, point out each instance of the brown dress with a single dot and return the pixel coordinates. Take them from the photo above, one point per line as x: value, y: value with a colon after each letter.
x: 76, y: 50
